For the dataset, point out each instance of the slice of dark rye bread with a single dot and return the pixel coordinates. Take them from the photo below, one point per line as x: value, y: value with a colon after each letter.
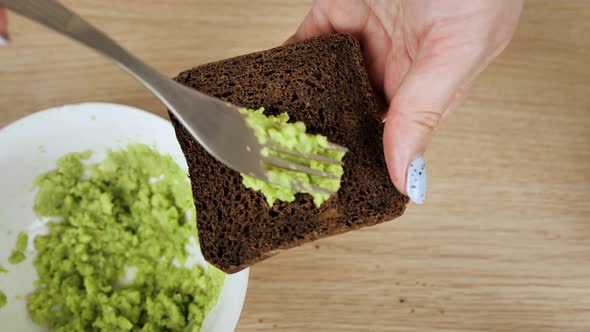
x: 322, y: 82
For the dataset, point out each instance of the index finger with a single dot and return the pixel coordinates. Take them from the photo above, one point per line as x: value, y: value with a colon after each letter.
x: 315, y: 24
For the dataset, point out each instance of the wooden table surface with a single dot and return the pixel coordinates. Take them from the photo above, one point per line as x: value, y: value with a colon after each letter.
x: 503, y: 243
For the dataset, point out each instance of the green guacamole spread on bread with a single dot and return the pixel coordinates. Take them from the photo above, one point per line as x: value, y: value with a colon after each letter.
x: 292, y: 137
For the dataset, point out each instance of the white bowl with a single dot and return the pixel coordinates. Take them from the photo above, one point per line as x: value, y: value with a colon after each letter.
x: 32, y: 145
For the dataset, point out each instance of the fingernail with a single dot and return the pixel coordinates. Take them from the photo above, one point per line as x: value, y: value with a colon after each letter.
x: 416, y: 181
x: 3, y: 41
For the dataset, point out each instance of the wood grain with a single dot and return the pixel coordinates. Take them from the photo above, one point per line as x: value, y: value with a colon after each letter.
x: 503, y: 243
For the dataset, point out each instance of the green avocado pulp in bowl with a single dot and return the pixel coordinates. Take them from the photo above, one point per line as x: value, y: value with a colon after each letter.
x: 117, y: 255
x: 292, y: 137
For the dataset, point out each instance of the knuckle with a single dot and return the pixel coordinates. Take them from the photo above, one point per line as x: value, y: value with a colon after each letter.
x: 424, y: 121
x: 427, y: 120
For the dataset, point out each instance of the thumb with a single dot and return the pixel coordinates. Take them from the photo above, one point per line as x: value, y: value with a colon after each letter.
x: 431, y: 88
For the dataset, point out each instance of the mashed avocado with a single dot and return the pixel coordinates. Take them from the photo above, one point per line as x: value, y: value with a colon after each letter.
x: 293, y: 137
x: 3, y: 270
x: 18, y: 253
x: 117, y: 259
x: 3, y: 300
x: 16, y: 257
x: 21, y: 241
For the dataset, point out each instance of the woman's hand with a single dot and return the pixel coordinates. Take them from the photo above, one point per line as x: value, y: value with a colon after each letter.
x: 3, y: 33
x: 422, y: 55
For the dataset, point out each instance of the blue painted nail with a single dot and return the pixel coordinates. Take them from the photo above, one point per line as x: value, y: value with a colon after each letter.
x: 416, y: 180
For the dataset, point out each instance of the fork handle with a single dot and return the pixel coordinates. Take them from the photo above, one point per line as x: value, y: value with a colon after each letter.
x: 59, y: 18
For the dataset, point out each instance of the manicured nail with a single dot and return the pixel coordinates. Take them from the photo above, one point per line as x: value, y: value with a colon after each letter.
x: 3, y: 41
x: 416, y: 181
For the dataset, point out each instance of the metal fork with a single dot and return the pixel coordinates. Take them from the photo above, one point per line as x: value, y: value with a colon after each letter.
x: 218, y: 126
